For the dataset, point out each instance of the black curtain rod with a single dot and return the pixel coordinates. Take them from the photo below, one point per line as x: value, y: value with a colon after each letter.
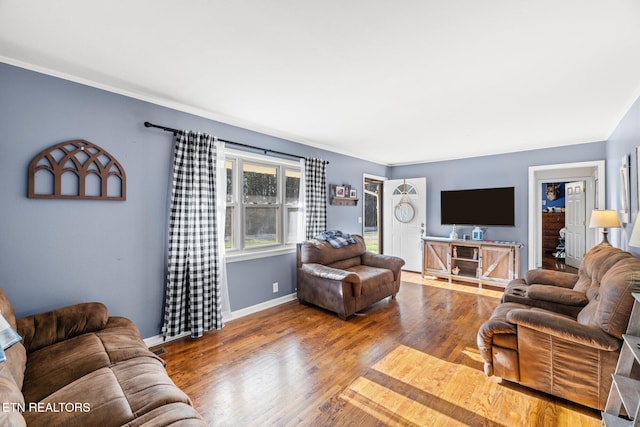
x: 265, y: 150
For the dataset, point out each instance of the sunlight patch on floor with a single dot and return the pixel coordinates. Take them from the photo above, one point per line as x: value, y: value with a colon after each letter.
x: 389, y: 407
x: 469, y: 288
x: 411, y: 387
x: 473, y: 354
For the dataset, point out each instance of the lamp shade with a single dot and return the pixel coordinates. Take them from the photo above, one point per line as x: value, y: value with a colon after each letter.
x: 604, y: 218
x: 634, y: 240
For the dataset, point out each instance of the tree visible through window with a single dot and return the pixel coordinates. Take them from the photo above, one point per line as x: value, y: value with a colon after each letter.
x: 260, y: 197
x: 372, y: 214
x: 263, y: 207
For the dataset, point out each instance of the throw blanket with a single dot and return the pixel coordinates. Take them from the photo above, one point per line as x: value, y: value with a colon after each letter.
x: 336, y: 238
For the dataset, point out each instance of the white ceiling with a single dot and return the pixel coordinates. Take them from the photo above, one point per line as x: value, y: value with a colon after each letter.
x: 394, y: 82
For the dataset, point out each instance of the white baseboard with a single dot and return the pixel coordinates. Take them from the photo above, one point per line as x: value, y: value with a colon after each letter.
x: 157, y: 339
x: 262, y: 306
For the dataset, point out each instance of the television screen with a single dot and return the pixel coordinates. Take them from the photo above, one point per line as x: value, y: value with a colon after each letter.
x: 483, y: 206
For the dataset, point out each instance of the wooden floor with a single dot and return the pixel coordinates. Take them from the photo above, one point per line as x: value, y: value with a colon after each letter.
x: 550, y: 263
x: 410, y: 361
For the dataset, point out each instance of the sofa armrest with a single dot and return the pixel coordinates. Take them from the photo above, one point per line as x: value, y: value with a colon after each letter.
x: 558, y: 295
x: 334, y: 274
x: 43, y: 329
x: 549, y: 277
x: 390, y: 262
x: 495, y: 326
x: 324, y: 272
x: 564, y: 327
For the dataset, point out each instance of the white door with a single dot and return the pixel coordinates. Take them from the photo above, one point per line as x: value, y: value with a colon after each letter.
x: 405, y: 220
x: 575, y: 222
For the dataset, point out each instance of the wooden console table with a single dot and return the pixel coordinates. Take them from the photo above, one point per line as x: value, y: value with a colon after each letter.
x: 483, y: 262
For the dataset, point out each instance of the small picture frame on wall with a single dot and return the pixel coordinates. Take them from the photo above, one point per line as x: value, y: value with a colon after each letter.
x: 339, y: 191
x: 353, y: 193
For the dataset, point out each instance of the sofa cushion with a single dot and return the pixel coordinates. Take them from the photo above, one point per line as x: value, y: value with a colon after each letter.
x: 169, y: 414
x: 43, y: 329
x: 100, y: 396
x: 48, y: 368
x: 345, y: 264
x: 321, y: 252
x: 146, y: 384
x: 595, y: 265
x: 112, y: 395
x: 372, y: 278
x: 122, y: 341
x: 611, y: 306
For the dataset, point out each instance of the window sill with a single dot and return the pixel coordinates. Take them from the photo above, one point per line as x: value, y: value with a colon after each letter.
x: 265, y: 253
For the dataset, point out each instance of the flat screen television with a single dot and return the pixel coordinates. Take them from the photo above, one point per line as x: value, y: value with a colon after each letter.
x: 482, y: 206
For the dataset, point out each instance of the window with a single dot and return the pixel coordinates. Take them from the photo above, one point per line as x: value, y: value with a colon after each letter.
x: 263, y: 207
x: 292, y: 204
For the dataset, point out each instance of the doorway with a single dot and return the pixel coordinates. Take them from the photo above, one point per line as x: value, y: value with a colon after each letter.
x: 372, y: 214
x: 593, y: 175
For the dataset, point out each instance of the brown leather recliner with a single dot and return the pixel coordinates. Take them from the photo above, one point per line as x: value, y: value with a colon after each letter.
x: 345, y: 280
x: 536, y: 344
x: 563, y: 292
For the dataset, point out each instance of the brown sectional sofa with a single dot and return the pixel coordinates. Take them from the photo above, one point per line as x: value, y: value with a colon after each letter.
x: 345, y: 280
x: 561, y: 333
x: 77, y: 366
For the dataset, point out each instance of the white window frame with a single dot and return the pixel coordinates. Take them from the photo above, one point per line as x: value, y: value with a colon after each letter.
x: 238, y: 252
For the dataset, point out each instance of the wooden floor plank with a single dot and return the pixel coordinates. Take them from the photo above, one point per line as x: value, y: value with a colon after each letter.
x: 407, y: 361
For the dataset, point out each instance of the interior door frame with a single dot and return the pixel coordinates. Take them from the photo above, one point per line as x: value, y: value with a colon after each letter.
x: 382, y: 180
x: 593, y: 172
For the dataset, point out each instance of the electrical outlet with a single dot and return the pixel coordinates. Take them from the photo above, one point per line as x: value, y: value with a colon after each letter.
x: 275, y: 287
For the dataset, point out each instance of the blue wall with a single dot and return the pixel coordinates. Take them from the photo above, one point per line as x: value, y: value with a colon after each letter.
x: 54, y: 252
x: 556, y: 197
x: 505, y: 170
x: 623, y: 142
x: 59, y: 252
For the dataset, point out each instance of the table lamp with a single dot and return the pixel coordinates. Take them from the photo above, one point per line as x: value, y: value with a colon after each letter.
x: 604, y: 218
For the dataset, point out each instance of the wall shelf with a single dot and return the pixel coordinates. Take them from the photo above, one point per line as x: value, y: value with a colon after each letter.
x: 344, y: 201
x: 343, y: 195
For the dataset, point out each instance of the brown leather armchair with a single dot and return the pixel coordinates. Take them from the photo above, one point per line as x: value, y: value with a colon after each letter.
x: 345, y: 280
x: 570, y: 356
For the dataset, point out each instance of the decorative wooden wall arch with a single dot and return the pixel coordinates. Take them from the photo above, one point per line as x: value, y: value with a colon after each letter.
x: 84, y: 161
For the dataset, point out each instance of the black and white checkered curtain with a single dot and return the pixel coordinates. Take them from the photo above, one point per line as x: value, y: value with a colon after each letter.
x: 195, y: 268
x: 315, y: 204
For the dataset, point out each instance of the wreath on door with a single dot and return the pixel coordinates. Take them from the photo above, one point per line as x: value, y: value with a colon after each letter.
x: 404, y: 210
